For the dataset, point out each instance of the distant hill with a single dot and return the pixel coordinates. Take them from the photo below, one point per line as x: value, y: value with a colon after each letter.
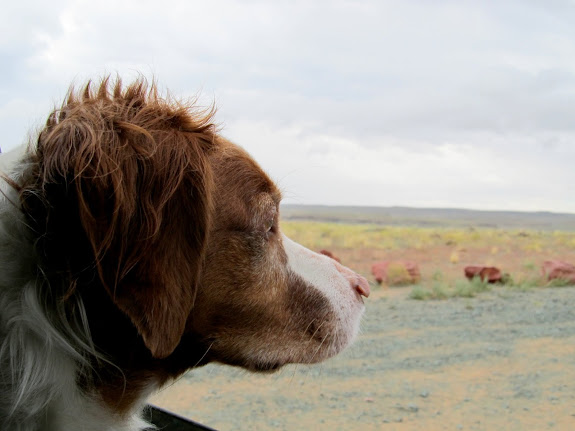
x: 432, y: 217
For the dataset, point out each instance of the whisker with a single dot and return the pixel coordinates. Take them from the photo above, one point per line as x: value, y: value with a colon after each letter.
x: 204, y: 355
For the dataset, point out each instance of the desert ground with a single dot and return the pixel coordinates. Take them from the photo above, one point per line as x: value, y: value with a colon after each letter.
x: 499, y: 358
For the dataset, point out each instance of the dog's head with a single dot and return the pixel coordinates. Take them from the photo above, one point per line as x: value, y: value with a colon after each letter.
x: 265, y: 300
x: 170, y: 235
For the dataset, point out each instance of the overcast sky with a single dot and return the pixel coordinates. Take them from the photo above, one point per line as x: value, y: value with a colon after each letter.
x: 461, y: 103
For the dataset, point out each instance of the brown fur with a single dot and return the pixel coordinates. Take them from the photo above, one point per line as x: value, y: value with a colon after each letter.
x: 169, y: 234
x: 128, y: 161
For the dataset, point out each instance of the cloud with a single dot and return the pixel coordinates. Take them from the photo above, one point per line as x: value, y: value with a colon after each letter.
x: 358, y: 102
x: 331, y: 170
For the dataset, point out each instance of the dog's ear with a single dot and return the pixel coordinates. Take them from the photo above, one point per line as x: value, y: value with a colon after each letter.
x: 133, y: 170
x: 157, y: 289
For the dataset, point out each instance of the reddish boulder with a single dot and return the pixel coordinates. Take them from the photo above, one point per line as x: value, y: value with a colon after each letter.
x: 558, y: 270
x: 490, y: 274
x: 396, y: 273
x: 329, y: 254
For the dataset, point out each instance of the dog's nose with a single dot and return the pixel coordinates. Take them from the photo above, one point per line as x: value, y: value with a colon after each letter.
x: 361, y: 286
x: 356, y: 281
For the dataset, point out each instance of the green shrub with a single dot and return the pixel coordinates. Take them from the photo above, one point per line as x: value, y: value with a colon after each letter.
x: 464, y: 289
x: 559, y: 282
x: 419, y: 293
x: 439, y: 291
x: 398, y: 275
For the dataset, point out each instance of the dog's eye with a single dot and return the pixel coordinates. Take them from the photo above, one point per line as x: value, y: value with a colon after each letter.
x: 271, y: 226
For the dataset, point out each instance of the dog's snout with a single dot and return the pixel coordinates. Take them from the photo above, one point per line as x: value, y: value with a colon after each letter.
x: 356, y: 281
x: 361, y: 285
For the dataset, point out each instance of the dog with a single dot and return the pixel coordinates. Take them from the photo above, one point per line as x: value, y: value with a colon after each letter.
x: 137, y: 243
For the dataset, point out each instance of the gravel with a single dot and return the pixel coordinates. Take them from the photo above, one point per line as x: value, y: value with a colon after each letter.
x: 505, y: 359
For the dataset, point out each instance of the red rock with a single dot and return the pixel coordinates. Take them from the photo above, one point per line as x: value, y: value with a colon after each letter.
x: 329, y: 254
x: 396, y: 272
x: 490, y: 274
x: 558, y: 270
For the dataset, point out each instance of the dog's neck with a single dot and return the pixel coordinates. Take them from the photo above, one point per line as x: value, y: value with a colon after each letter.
x: 55, y: 374
x: 129, y: 370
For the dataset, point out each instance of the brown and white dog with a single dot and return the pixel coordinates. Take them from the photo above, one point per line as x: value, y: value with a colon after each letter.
x: 136, y: 243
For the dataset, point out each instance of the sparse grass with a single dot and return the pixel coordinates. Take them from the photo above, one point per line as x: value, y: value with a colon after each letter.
x: 470, y: 289
x: 437, y: 291
x: 323, y: 235
x: 441, y: 252
x: 526, y: 284
x: 419, y: 293
x: 460, y: 289
x: 438, y: 275
x: 558, y: 282
x: 529, y: 266
x: 341, y: 235
x: 463, y: 289
x: 454, y: 257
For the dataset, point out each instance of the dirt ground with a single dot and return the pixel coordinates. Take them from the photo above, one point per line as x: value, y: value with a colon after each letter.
x: 504, y: 360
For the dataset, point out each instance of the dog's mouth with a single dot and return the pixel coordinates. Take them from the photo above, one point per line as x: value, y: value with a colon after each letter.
x: 299, y: 342
x: 255, y: 366
x: 266, y: 367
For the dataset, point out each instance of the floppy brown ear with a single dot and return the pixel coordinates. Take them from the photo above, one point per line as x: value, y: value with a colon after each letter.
x: 158, y: 294
x: 129, y: 173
